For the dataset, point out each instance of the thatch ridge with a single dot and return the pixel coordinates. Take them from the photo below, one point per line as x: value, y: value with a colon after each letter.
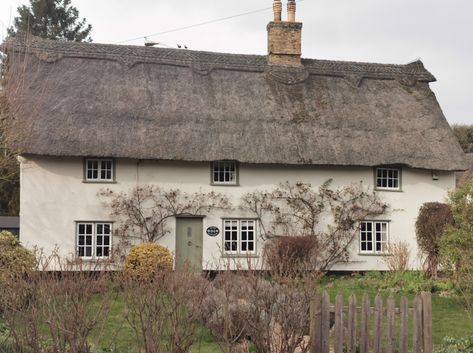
x: 170, y: 104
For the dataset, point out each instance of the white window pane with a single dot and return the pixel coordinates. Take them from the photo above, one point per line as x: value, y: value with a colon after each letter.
x: 224, y: 172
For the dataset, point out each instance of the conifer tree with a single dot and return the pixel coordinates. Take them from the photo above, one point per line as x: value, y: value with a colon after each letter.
x: 51, y: 19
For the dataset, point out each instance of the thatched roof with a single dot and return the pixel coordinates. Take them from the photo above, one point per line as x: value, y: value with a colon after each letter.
x: 84, y: 99
x: 463, y: 177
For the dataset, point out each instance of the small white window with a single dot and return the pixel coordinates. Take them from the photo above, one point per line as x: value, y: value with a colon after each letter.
x: 239, y: 236
x: 374, y: 236
x: 224, y: 173
x: 94, y: 240
x: 388, y: 178
x: 99, y: 169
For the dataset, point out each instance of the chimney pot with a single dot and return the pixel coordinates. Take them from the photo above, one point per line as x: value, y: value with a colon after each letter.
x: 277, y: 8
x: 291, y: 11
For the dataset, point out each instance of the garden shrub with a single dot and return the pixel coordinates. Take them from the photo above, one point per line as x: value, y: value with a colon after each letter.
x: 147, y: 260
x: 456, y: 345
x: 431, y: 222
x: 289, y: 255
x: 399, y: 255
x: 15, y: 260
x: 457, y: 243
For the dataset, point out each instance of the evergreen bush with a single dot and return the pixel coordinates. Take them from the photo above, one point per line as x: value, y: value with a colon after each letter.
x: 147, y: 260
x: 15, y: 260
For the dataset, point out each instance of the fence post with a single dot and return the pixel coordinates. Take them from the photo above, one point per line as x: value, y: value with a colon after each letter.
x: 364, y: 332
x: 315, y: 329
x: 417, y: 326
x: 390, y: 324
x: 351, y: 341
x: 404, y: 325
x: 338, y: 339
x: 427, y: 321
x: 378, y: 322
x: 325, y: 320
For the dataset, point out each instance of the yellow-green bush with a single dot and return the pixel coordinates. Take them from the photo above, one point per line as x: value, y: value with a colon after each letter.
x: 147, y: 260
x: 15, y: 260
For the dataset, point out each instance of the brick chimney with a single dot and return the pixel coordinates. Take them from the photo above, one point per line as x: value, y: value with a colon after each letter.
x: 284, y: 37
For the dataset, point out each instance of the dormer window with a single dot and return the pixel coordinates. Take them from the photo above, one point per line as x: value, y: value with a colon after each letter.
x: 99, y: 170
x: 224, y: 173
x: 388, y: 178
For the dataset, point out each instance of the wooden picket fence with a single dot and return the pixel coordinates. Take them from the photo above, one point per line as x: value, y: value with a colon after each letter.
x: 369, y: 329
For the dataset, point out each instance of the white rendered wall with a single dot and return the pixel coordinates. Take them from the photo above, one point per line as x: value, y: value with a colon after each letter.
x: 54, y: 197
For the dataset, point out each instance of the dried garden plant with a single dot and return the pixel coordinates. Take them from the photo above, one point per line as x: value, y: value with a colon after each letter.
x: 289, y: 256
x: 398, y: 256
x: 73, y: 304
x: 223, y: 312
x: 253, y: 308
x: 277, y: 312
x: 331, y: 217
x: 163, y: 311
x: 57, y: 311
x: 433, y: 219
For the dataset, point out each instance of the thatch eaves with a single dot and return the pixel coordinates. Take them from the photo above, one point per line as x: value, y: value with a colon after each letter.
x: 463, y: 177
x: 83, y: 99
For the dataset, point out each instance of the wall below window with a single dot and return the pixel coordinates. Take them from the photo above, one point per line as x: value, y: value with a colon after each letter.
x: 53, y: 198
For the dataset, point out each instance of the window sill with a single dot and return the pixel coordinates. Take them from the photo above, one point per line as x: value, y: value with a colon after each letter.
x: 371, y: 254
x: 213, y: 184
x: 99, y: 182
x: 107, y: 260
x: 388, y: 190
x: 240, y: 256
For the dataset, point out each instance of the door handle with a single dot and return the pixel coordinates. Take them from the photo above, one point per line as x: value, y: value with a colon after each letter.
x: 189, y: 243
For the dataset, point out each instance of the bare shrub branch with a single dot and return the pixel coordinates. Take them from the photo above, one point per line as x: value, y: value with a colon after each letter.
x: 398, y: 256
x: 330, y: 217
x: 144, y: 212
x: 163, y: 312
x: 433, y: 219
x: 57, y: 311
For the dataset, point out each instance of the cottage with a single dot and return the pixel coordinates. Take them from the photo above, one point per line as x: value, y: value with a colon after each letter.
x: 111, y: 116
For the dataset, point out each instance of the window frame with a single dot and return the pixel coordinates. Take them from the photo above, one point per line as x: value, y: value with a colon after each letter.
x: 236, y: 182
x: 239, y: 252
x: 388, y: 168
x: 99, y: 170
x: 94, y: 243
x: 373, y: 240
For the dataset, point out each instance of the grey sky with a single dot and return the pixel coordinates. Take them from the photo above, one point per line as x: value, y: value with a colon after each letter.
x: 439, y: 32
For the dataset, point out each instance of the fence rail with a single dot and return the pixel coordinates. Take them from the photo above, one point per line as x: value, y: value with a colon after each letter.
x: 366, y: 329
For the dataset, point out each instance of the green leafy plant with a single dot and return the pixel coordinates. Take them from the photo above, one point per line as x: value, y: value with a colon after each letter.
x: 457, y: 243
x: 456, y: 345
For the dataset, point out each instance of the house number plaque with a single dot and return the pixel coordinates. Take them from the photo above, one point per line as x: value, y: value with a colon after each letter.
x: 213, y: 231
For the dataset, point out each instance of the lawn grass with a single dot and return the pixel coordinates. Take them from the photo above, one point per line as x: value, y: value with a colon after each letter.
x: 448, y: 314
x: 118, y: 336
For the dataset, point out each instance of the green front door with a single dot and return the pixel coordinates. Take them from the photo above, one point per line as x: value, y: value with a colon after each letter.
x: 189, y: 243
